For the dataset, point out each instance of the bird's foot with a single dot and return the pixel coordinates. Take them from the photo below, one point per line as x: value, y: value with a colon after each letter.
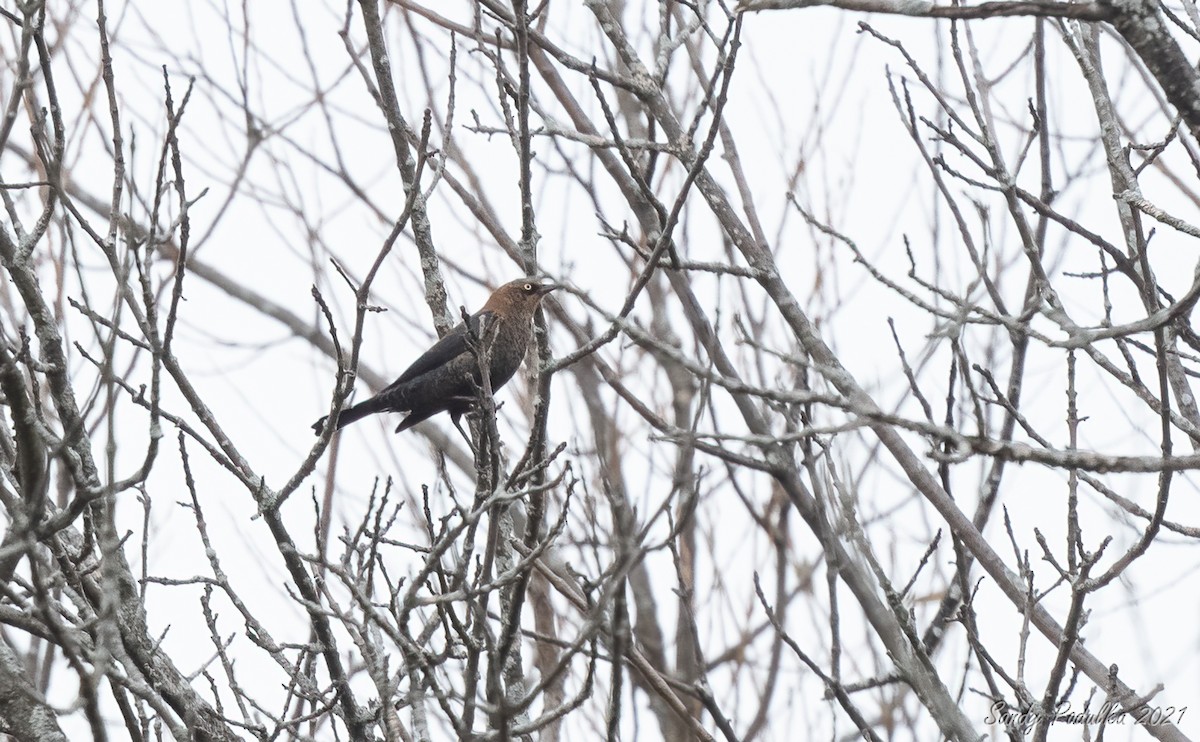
x: 457, y: 420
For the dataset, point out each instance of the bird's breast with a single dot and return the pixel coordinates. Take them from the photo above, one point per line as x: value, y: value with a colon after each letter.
x: 508, y: 351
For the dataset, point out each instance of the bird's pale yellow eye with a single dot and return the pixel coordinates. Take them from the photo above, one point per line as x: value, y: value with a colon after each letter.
x: 529, y: 287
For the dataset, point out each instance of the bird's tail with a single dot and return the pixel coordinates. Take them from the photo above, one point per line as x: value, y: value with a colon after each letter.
x: 351, y: 414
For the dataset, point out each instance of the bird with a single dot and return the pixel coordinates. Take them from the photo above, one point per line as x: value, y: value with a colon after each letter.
x: 445, y: 377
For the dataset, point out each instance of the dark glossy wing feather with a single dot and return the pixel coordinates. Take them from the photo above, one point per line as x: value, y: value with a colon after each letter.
x: 443, y: 351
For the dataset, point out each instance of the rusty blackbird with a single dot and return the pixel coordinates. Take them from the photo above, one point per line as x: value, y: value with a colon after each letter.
x: 445, y: 377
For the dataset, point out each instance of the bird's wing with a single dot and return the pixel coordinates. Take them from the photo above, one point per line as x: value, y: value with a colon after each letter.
x: 443, y: 351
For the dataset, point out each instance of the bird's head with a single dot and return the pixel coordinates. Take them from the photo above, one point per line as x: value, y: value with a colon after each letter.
x: 522, y: 295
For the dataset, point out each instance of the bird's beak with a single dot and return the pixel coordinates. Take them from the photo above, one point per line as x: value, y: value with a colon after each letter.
x: 546, y: 288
